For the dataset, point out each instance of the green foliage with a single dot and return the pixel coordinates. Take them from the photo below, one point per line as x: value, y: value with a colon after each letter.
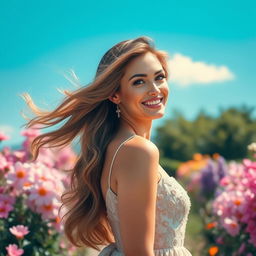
x: 169, y: 165
x: 228, y: 134
x: 194, y: 239
x: 233, y: 131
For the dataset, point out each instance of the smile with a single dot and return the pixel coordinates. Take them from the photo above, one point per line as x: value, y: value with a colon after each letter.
x: 153, y: 103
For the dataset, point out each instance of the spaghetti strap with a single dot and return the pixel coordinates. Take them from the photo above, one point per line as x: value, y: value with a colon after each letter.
x: 171, y: 216
x: 109, y: 175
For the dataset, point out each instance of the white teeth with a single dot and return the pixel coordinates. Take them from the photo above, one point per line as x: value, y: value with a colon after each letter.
x: 154, y: 102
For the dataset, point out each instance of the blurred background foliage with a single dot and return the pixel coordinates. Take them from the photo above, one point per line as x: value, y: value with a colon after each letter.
x: 180, y: 140
x: 228, y: 134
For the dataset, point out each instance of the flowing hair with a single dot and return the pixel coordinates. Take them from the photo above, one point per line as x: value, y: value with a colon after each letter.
x: 88, y: 113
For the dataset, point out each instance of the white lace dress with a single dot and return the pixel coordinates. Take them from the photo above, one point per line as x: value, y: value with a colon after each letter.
x: 172, y: 209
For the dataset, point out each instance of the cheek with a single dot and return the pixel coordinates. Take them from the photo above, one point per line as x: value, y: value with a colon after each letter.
x: 135, y: 94
x: 165, y: 89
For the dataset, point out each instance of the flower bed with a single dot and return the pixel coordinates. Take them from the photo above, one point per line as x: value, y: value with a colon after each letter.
x: 225, y: 195
x: 30, y: 222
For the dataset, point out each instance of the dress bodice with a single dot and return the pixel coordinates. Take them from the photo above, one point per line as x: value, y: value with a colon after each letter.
x: 172, y: 209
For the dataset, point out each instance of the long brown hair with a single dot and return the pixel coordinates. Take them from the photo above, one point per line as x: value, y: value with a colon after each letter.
x: 89, y: 114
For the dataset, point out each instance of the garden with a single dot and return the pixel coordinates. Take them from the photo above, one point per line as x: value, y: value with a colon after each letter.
x: 213, y: 158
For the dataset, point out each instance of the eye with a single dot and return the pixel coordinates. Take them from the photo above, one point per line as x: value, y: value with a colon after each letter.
x: 140, y: 81
x: 162, y: 77
x: 137, y: 82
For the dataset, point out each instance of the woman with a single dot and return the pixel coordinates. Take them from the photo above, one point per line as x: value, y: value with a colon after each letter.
x: 119, y: 194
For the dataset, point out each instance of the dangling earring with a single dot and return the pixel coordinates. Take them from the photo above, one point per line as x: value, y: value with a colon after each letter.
x: 118, y: 111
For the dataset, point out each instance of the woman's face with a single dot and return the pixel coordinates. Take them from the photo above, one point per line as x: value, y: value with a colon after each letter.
x: 143, y: 90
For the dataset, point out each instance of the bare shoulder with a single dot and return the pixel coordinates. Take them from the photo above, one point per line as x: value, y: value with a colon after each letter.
x: 138, y: 147
x: 137, y: 155
x: 137, y: 189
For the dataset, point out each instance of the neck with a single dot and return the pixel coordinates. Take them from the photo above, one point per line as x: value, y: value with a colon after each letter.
x: 141, y: 129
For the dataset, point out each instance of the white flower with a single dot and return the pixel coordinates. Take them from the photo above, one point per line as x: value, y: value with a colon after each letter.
x: 252, y: 147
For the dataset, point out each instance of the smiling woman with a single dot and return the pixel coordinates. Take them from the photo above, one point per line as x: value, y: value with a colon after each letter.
x: 119, y: 194
x: 142, y: 96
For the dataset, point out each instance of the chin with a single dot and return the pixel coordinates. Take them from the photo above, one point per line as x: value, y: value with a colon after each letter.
x: 156, y: 115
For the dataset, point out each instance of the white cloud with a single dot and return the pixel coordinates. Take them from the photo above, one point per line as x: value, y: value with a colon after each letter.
x: 184, y: 71
x: 7, y: 129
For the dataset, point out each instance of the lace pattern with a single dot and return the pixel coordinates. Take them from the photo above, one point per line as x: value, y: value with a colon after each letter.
x: 172, y: 209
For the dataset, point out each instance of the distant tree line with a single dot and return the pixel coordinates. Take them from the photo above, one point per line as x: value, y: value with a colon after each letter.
x: 228, y: 134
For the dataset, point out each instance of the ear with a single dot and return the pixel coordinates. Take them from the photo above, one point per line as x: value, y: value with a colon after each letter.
x: 115, y: 98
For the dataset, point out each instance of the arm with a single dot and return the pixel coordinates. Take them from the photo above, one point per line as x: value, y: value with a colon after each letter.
x: 136, y: 188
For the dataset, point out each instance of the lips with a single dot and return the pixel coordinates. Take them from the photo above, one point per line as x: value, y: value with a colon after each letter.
x: 153, y: 99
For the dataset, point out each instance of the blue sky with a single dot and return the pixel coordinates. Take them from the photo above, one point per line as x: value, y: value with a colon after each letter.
x: 212, y: 46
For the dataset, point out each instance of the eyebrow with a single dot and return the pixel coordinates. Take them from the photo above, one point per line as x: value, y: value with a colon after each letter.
x: 144, y: 75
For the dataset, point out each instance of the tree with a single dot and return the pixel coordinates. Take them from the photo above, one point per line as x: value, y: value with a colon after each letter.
x: 232, y: 132
x: 228, y: 134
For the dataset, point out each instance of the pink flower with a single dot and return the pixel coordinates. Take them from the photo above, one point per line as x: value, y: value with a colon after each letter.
x: 45, y: 173
x: 7, y: 199
x: 235, y: 204
x: 5, y: 209
x: 65, y: 158
x: 19, y: 176
x: 7, y: 153
x: 19, y: 155
x: 224, y: 181
x: 6, y: 205
x: 42, y: 193
x: 3, y: 162
x: 19, y: 231
x: 232, y: 226
x: 49, y: 211
x: 3, y: 136
x: 220, y: 240
x: 31, y: 132
x: 57, y: 224
x: 46, y: 157
x: 249, y: 164
x: 241, y: 249
x: 13, y: 250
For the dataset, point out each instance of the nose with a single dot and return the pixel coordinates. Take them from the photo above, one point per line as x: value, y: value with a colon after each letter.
x: 154, y: 90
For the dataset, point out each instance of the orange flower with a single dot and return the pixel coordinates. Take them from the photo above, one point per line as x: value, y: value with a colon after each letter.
x: 211, y: 225
x: 213, y: 250
x: 197, y: 156
x: 237, y: 202
x: 216, y: 156
x: 58, y: 219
